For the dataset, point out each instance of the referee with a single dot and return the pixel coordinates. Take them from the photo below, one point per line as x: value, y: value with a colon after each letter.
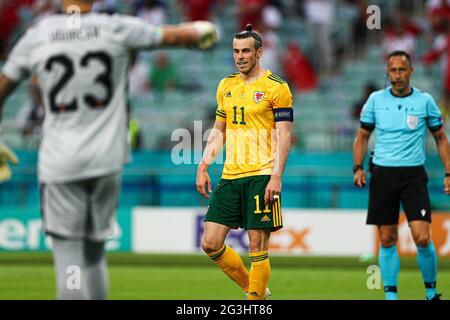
x: 400, y: 115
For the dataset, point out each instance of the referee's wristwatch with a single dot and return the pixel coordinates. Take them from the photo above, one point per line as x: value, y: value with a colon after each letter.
x: 356, y: 167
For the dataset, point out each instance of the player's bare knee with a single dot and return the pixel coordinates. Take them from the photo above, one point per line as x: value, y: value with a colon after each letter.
x: 422, y: 240
x: 256, y: 245
x: 210, y: 246
x: 388, y: 240
x: 258, y: 241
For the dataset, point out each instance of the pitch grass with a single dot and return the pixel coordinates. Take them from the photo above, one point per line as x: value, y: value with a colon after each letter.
x: 195, y: 277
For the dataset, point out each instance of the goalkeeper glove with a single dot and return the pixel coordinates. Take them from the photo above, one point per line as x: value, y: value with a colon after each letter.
x: 6, y: 155
x: 208, y: 34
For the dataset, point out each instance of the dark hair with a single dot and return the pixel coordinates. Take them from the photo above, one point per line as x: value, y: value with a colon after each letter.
x: 400, y: 53
x: 247, y: 33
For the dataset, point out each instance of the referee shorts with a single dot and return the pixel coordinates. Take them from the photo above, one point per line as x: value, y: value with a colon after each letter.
x: 392, y: 186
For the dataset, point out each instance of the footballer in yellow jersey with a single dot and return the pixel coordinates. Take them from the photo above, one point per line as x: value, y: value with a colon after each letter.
x: 250, y: 112
x: 254, y: 120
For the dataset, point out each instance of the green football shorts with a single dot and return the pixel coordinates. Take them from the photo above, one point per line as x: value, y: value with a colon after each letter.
x: 240, y: 203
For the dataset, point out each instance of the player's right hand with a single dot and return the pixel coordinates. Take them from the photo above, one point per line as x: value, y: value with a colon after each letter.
x: 359, y: 178
x: 203, y: 182
x: 6, y: 155
x: 208, y: 34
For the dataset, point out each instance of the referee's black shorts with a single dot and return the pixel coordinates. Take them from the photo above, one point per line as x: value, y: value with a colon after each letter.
x: 390, y: 186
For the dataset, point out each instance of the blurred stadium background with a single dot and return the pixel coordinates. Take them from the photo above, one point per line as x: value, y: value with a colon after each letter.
x: 330, y: 58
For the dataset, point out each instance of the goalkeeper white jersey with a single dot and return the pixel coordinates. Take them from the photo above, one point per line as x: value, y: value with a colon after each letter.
x: 82, y: 69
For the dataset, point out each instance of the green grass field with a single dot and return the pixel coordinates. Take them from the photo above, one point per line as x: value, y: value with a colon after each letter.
x: 194, y: 277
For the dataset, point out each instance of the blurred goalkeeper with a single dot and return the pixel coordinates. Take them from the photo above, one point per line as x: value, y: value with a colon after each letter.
x: 82, y: 65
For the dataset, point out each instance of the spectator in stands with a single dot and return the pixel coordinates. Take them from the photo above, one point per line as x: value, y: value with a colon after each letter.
x: 9, y: 18
x: 198, y: 9
x: 294, y: 8
x: 359, y: 28
x: 403, y: 17
x: 438, y: 12
x: 396, y: 38
x: 441, y: 48
x: 271, y: 20
x: 163, y: 75
x: 250, y: 11
x: 357, y: 107
x: 298, y: 70
x: 152, y: 11
x: 320, y: 15
x: 138, y: 76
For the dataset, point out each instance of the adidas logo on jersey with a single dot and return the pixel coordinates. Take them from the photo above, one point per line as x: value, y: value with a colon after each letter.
x: 228, y: 95
x: 265, y: 218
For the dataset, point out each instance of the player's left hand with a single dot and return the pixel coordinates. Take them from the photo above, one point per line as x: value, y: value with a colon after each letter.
x: 447, y: 185
x: 6, y: 155
x: 273, y: 190
x: 208, y: 34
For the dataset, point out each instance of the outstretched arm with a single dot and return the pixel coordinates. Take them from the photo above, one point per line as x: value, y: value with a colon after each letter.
x: 443, y: 147
x: 201, y: 34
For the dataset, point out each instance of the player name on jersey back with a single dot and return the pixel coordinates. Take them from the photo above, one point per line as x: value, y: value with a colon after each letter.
x: 81, y: 34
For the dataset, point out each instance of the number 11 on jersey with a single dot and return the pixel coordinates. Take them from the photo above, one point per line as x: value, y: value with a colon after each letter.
x: 235, y: 116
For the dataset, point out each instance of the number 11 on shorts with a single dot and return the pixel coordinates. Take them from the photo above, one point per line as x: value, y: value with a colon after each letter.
x: 266, y: 208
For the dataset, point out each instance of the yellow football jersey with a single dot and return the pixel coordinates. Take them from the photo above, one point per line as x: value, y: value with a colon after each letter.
x: 250, y: 112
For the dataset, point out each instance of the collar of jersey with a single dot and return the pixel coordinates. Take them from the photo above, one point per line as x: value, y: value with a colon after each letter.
x: 265, y: 75
x: 410, y: 94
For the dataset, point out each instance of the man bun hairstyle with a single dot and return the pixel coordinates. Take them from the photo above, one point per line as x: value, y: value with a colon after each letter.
x: 249, y: 32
